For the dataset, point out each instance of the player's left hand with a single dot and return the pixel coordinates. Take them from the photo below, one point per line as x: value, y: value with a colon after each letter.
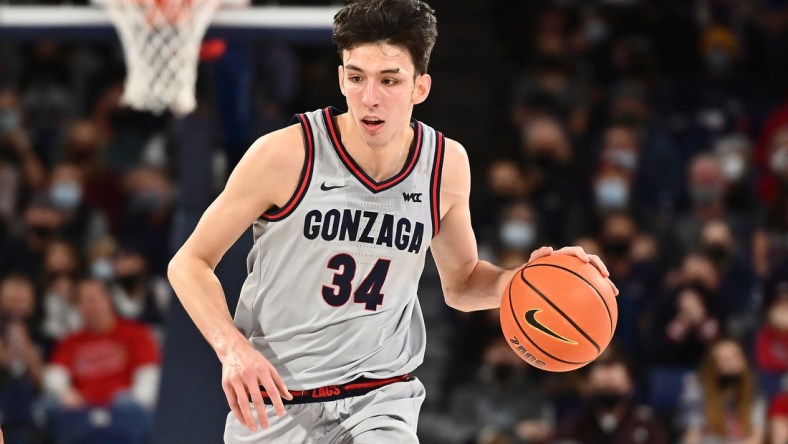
x: 579, y: 253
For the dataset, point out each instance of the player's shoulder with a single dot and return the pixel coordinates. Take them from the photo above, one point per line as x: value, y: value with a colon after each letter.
x: 280, y: 149
x: 456, y: 158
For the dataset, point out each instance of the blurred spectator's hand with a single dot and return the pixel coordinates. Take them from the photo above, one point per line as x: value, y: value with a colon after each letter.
x: 690, y: 308
x: 71, y: 399
x: 644, y: 248
x: 533, y: 430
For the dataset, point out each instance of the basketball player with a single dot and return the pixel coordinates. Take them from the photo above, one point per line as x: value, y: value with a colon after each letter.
x: 344, y: 206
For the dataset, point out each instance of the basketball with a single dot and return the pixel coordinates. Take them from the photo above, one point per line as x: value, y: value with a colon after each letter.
x: 558, y: 313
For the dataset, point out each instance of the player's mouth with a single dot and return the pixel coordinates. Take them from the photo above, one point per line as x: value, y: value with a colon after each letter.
x: 372, y: 123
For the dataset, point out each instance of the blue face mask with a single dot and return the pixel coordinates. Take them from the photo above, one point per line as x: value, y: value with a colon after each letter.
x: 611, y: 194
x: 624, y: 158
x: 517, y: 235
x: 10, y: 121
x: 66, y: 195
x: 102, y: 269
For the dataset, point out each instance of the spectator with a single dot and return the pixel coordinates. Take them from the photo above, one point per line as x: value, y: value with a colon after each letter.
x: 504, y: 401
x: 21, y: 364
x: 147, y: 214
x: 770, y: 249
x: 61, y: 266
x: 111, y: 363
x: 707, y: 203
x: 554, y: 193
x: 137, y: 295
x: 630, y: 256
x: 686, y: 334
x: 722, y: 401
x: 737, y: 279
x: 778, y: 419
x: 610, y: 414
x: 83, y: 225
x: 101, y: 188
x: 771, y: 343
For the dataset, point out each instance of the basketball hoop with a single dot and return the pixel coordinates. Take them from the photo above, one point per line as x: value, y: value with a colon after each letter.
x: 161, y: 45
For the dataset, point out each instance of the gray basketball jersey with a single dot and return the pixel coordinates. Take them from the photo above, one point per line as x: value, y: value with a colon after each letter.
x: 333, y: 275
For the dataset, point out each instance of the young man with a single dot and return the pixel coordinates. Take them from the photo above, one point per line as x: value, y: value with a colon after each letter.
x: 344, y: 207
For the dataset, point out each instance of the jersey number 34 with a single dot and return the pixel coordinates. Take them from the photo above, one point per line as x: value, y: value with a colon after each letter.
x: 368, y: 291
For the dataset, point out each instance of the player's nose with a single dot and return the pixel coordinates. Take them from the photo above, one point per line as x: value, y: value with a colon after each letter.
x: 371, y: 95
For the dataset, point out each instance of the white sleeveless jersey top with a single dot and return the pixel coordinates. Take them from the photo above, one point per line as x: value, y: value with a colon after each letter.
x: 333, y: 275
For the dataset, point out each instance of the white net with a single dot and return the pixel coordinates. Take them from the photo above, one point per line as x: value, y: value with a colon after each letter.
x: 161, y: 42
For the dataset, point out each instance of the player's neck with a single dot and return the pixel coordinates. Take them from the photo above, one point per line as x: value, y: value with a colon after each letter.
x: 379, y: 162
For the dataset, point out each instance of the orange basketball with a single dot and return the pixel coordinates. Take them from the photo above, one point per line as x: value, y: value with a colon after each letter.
x: 558, y: 313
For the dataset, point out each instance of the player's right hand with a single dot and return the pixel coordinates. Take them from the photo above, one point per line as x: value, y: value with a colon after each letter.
x: 244, y: 370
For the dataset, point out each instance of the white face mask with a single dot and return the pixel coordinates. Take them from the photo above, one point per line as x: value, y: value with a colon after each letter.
x: 611, y: 194
x: 517, y: 235
x: 733, y: 167
x: 779, y: 161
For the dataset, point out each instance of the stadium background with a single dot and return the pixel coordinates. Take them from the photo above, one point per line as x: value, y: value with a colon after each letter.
x: 652, y: 132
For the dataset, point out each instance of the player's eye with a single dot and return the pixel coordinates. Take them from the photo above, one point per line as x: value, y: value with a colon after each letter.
x: 354, y: 79
x: 390, y: 81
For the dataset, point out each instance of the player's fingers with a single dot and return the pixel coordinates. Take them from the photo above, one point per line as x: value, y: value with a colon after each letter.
x: 243, y: 404
x: 232, y: 401
x: 256, y: 397
x: 273, y: 393
x: 280, y: 385
x: 541, y: 252
x: 615, y: 289
x: 597, y: 262
x: 578, y: 252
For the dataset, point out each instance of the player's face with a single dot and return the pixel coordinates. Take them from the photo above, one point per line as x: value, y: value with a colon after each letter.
x: 380, y: 85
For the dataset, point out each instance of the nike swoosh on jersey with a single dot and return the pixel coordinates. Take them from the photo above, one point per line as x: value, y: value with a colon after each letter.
x: 530, y: 318
x: 325, y: 187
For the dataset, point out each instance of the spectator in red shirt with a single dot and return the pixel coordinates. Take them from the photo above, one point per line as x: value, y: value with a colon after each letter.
x: 778, y: 419
x: 103, y: 377
x: 771, y: 351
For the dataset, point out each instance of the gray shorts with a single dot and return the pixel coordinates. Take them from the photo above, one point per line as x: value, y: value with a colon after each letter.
x: 385, y: 415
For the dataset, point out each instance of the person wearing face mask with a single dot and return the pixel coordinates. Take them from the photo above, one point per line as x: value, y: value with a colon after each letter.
x: 83, y: 223
x: 610, y: 414
x: 721, y: 403
x: 706, y: 199
x: 771, y: 342
x: 517, y: 231
x: 504, y: 403
x: 135, y: 293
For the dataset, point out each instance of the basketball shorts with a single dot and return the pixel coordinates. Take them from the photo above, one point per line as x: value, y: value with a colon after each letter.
x: 385, y: 415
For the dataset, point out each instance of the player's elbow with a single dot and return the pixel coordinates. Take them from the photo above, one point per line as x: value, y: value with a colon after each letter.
x: 455, y: 300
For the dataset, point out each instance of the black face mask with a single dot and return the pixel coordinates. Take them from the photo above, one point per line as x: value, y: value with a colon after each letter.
x: 129, y: 283
x: 618, y: 247
x: 726, y: 381
x: 717, y: 253
x: 606, y: 401
x: 502, y: 373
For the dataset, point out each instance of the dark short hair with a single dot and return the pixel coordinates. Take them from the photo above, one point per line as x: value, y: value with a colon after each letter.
x: 407, y: 23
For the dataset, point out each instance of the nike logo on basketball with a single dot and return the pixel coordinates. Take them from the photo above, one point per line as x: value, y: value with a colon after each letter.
x: 325, y: 187
x: 530, y: 318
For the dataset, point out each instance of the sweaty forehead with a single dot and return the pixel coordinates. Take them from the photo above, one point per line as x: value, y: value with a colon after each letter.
x: 376, y: 57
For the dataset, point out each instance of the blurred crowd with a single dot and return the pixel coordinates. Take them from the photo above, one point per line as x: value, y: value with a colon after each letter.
x: 653, y: 133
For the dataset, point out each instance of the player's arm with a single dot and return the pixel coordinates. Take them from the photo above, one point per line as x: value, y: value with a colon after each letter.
x: 265, y: 177
x: 470, y: 283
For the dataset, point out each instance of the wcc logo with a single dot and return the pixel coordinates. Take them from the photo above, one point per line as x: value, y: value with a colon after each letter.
x: 412, y: 197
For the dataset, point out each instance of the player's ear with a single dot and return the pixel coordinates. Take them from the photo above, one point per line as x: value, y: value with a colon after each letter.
x: 421, y: 89
x: 341, y: 71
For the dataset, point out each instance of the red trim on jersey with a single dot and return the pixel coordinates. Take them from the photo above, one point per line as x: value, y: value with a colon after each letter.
x: 435, y: 184
x: 303, y: 181
x: 352, y: 166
